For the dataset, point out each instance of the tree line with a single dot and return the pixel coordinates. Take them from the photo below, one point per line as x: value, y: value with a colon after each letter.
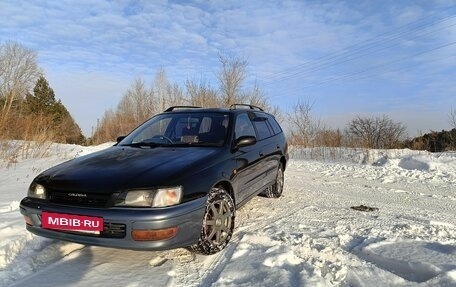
x: 141, y: 101
x: 372, y: 132
x: 29, y: 109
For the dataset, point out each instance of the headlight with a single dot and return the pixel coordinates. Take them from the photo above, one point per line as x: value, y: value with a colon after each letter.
x: 167, y: 196
x: 36, y: 191
x: 139, y: 198
x: 150, y: 198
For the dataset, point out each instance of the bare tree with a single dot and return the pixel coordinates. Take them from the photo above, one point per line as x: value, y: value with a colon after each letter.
x: 18, y: 73
x: 18, y: 69
x: 107, y: 129
x: 452, y: 117
x: 135, y: 105
x: 139, y: 103
x: 256, y: 97
x: 452, y: 132
x: 304, y: 127
x: 200, y: 94
x: 376, y: 132
x: 231, y: 78
x: 165, y: 94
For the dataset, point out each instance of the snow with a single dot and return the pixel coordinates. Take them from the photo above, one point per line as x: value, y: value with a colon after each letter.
x: 308, y: 237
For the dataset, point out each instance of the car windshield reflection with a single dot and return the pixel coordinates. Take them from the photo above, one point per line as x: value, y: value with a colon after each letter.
x: 180, y: 129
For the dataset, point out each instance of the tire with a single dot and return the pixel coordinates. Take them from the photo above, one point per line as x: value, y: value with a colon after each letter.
x: 218, y: 223
x: 276, y: 189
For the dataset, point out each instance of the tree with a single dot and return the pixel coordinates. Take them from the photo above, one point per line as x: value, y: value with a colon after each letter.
x: 201, y: 94
x: 42, y: 103
x: 231, y: 77
x: 435, y: 141
x: 452, y: 117
x: 136, y: 105
x: 18, y: 72
x: 165, y: 93
x: 452, y: 133
x: 139, y: 103
x: 303, y: 126
x: 42, y: 100
x: 376, y: 132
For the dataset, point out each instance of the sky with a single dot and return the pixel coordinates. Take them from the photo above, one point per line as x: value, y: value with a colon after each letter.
x: 348, y: 58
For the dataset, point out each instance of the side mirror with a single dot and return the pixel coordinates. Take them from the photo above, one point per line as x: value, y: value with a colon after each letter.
x: 119, y: 139
x: 245, y: 141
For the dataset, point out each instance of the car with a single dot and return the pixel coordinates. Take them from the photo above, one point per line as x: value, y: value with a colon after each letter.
x: 175, y: 181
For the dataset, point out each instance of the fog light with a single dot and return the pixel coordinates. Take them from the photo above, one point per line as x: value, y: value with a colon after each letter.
x: 153, y: 234
x: 28, y: 220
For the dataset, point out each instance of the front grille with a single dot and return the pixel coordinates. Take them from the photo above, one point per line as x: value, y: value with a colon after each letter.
x: 89, y: 200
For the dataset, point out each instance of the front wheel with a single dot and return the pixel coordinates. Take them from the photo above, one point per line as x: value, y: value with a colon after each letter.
x: 218, y: 223
x: 275, y: 190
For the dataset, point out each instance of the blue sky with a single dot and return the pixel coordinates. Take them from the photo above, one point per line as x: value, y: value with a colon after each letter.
x: 348, y: 57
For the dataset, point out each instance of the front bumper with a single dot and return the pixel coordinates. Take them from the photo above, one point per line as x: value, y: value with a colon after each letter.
x: 187, y: 217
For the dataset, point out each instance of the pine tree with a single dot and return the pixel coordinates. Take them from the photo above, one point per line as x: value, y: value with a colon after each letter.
x: 43, y: 99
x: 43, y: 103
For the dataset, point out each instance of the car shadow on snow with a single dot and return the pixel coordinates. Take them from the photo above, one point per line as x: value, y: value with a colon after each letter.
x: 100, y: 266
x: 57, y: 264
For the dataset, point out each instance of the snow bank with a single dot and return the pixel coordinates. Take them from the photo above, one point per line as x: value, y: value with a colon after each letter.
x: 389, y: 165
x: 308, y: 237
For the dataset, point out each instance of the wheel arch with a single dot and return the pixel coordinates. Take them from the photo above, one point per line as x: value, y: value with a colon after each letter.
x: 228, y: 187
x: 283, y: 161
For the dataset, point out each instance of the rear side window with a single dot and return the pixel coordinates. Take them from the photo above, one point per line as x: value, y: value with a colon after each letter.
x: 262, y: 128
x: 275, y: 126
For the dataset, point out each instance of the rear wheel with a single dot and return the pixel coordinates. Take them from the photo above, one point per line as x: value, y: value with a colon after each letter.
x: 218, y: 223
x: 275, y: 190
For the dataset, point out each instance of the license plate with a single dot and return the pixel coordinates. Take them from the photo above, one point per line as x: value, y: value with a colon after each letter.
x: 79, y: 223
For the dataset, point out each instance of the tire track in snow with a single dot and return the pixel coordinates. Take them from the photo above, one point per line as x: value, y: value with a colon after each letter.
x: 205, y: 270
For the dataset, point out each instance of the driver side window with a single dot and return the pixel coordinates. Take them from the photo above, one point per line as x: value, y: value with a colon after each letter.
x: 243, y: 126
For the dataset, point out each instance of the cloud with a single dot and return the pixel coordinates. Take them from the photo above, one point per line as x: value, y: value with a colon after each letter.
x: 408, y: 14
x: 294, y: 48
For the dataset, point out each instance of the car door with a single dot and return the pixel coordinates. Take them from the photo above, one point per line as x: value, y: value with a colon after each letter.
x: 247, y: 166
x: 269, y: 157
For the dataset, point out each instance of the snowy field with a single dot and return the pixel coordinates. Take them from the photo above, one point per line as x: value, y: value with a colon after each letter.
x: 308, y: 237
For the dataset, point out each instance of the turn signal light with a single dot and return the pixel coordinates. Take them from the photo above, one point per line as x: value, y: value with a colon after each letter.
x: 28, y: 220
x: 153, y: 234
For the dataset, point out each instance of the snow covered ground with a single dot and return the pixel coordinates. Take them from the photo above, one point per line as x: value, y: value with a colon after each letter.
x: 309, y: 237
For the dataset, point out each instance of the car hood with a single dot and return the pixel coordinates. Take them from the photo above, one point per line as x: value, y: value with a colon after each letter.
x: 118, y: 168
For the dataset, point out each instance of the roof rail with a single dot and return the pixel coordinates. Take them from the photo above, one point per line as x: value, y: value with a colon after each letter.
x: 252, y: 107
x: 181, y: 107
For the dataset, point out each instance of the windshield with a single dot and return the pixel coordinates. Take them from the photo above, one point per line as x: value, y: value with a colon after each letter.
x: 181, y: 129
